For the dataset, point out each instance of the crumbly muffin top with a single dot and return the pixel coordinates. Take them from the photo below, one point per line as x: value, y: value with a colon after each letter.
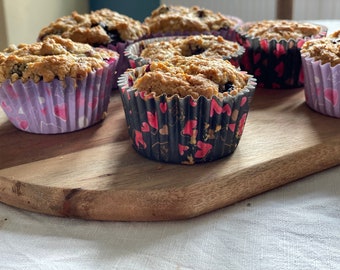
x: 281, y: 29
x: 52, y: 58
x: 335, y: 34
x: 99, y: 27
x: 194, y: 75
x: 327, y: 50
x: 205, y: 45
x: 172, y: 19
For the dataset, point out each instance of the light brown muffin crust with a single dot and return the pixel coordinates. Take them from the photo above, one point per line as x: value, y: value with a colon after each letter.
x: 281, y: 29
x: 335, y: 34
x: 52, y: 58
x: 172, y: 19
x: 196, y: 76
x: 205, y: 45
x: 327, y: 50
x: 93, y: 28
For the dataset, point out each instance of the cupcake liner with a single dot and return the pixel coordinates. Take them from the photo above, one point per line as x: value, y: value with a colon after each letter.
x: 133, y: 51
x: 275, y: 64
x: 123, y: 62
x: 183, y: 130
x: 230, y: 33
x: 322, y: 86
x: 58, y: 106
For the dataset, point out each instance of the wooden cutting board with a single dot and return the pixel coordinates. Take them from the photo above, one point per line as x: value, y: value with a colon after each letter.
x: 95, y: 173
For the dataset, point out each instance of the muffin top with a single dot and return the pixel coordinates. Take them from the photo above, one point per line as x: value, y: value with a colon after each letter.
x: 335, y: 34
x: 99, y: 27
x: 280, y: 29
x: 205, y: 45
x: 194, y: 75
x: 54, y: 57
x: 327, y: 50
x: 175, y: 19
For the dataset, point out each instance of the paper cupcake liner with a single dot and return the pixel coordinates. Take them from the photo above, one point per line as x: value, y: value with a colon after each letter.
x: 230, y: 33
x: 133, y: 51
x: 275, y: 64
x: 183, y: 130
x: 123, y: 62
x: 58, y: 106
x: 322, y: 86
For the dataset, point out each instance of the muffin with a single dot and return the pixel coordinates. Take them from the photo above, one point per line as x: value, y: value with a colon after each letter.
x: 56, y: 85
x: 178, y: 111
x: 321, y: 64
x: 273, y: 51
x: 102, y: 27
x: 180, y: 20
x: 160, y: 49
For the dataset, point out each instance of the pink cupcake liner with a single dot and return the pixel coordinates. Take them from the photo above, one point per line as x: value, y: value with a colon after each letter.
x: 322, y: 86
x: 183, y: 130
x: 276, y: 64
x: 58, y: 106
x: 133, y: 51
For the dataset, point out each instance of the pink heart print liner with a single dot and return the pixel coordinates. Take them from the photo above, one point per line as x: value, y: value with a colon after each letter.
x: 184, y: 130
x: 322, y: 86
x: 58, y: 106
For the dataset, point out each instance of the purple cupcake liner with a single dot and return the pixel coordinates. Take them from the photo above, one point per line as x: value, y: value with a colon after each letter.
x: 123, y: 62
x: 276, y: 64
x: 183, y: 130
x: 58, y: 106
x: 133, y: 51
x: 322, y: 86
x: 230, y: 33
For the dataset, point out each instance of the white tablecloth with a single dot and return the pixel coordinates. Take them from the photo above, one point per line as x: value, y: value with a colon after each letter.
x: 296, y: 226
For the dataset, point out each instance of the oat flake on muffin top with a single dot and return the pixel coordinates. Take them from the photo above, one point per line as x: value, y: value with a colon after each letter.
x: 195, y: 75
x: 52, y: 58
x: 281, y: 29
x: 99, y: 27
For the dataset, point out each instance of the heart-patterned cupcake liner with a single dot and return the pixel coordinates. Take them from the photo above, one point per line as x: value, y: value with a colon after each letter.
x: 322, y: 86
x: 276, y: 64
x: 183, y: 130
x: 58, y: 106
x: 123, y: 62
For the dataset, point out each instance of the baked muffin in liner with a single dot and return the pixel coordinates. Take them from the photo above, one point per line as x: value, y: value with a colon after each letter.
x: 100, y: 28
x: 275, y: 63
x: 58, y: 106
x: 322, y: 83
x: 176, y: 20
x: 133, y: 51
x: 183, y: 130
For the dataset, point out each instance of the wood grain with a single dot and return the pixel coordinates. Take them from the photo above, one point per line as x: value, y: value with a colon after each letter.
x: 95, y: 173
